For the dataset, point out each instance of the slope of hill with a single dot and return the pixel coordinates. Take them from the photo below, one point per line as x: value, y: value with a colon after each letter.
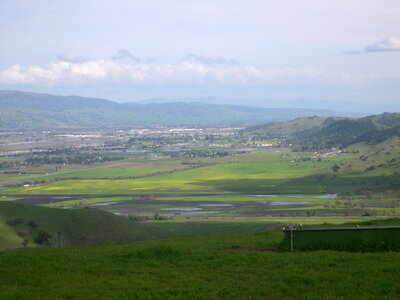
x: 313, y: 133
x: 238, y: 266
x: 78, y: 227
x: 22, y: 110
x: 342, y: 133
x: 290, y: 128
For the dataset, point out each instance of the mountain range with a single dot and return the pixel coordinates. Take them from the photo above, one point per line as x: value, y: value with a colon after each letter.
x: 26, y: 111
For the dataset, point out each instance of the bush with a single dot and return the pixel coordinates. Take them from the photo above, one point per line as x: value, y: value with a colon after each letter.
x: 32, y: 224
x: 22, y: 233
x: 43, y: 238
x: 15, y: 221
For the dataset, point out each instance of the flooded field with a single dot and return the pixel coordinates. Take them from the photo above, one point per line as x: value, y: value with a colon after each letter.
x: 196, y: 206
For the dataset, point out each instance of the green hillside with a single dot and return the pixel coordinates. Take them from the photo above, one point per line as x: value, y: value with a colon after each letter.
x: 22, y: 110
x: 230, y: 266
x: 315, y: 133
x: 289, y: 128
x: 342, y: 133
x: 77, y: 226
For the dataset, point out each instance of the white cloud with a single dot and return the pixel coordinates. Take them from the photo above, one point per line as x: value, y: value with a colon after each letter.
x: 389, y: 44
x: 385, y: 45
x: 184, y: 72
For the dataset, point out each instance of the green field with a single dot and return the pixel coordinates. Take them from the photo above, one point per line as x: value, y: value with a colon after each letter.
x: 367, y: 184
x: 215, y: 226
x: 105, y: 173
x: 84, y: 202
x: 197, y: 268
x: 257, y: 173
x: 123, y: 169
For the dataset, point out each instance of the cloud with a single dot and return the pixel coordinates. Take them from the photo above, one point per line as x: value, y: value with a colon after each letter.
x: 125, y: 54
x: 385, y: 45
x: 69, y: 57
x: 389, y: 44
x: 186, y: 72
x: 211, y: 60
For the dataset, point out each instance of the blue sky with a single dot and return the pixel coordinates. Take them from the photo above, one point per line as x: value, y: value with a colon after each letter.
x: 343, y: 54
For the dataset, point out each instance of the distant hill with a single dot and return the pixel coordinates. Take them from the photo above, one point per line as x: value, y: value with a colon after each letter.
x: 346, y: 108
x: 23, y: 110
x: 289, y: 128
x: 315, y: 133
x: 77, y: 226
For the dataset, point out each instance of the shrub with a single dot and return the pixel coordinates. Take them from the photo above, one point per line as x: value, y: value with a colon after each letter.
x: 32, y: 224
x: 15, y: 221
x: 22, y: 233
x: 43, y: 238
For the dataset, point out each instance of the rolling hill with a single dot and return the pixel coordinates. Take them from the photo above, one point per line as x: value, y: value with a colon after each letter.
x: 23, y: 110
x: 289, y: 128
x: 313, y: 133
x: 77, y: 226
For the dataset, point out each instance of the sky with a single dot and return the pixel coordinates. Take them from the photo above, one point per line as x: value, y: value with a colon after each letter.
x: 342, y: 54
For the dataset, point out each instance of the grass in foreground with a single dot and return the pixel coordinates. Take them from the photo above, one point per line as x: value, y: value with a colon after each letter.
x: 197, y: 268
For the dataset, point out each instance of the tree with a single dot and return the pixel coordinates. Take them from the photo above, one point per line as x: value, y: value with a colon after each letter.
x: 22, y: 233
x: 15, y: 221
x: 25, y: 243
x: 43, y: 238
x: 32, y: 224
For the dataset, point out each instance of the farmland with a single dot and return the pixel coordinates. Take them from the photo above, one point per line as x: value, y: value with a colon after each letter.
x: 258, y: 173
x: 201, y: 180
x: 268, y: 169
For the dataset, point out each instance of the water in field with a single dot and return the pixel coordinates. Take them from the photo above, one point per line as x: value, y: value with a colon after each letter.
x: 104, y: 203
x: 222, y: 205
x: 328, y: 196
x: 270, y: 205
x: 182, y: 208
x: 191, y: 213
x: 287, y: 202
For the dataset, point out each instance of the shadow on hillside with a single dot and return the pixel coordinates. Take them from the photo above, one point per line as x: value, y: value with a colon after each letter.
x: 312, y: 184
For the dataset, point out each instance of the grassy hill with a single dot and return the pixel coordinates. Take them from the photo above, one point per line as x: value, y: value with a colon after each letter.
x: 314, y: 133
x: 216, y: 267
x: 342, y: 133
x: 22, y: 110
x: 78, y: 227
x: 289, y: 128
